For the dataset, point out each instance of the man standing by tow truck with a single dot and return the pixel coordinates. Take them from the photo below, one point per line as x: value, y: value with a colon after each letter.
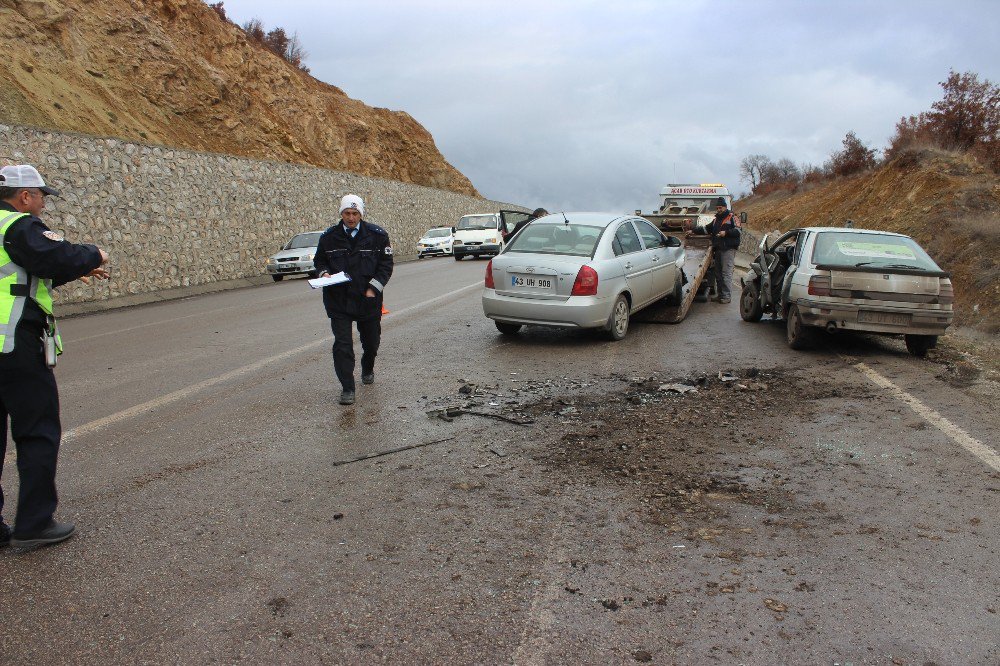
x: 725, y: 233
x: 363, y: 252
x: 33, y: 260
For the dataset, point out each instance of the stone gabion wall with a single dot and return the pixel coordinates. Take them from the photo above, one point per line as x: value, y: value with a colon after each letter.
x: 173, y: 218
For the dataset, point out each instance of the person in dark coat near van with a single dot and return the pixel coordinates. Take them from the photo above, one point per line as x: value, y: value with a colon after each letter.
x: 364, y: 253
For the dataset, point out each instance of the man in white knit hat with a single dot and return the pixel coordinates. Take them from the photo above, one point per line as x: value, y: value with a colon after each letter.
x: 363, y: 251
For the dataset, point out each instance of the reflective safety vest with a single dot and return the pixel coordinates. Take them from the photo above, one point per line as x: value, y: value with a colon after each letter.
x: 16, y: 287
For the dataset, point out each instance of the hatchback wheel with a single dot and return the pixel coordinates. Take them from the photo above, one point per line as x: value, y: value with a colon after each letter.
x: 918, y: 345
x: 277, y: 278
x: 618, y: 323
x: 750, y: 308
x: 799, y: 335
x: 508, y: 329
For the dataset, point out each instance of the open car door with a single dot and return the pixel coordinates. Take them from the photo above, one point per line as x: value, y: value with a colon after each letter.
x: 509, y: 219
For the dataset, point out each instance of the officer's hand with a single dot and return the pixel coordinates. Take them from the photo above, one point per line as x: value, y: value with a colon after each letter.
x: 722, y: 233
x: 104, y: 256
x: 370, y: 293
x: 324, y: 274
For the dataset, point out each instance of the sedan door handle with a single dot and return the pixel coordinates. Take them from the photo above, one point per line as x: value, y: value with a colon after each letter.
x: 628, y: 266
x: 655, y: 258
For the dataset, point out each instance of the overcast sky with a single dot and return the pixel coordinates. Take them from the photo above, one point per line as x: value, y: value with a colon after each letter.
x: 575, y: 105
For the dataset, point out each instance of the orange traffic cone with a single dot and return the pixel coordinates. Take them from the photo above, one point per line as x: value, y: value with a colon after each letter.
x: 384, y: 311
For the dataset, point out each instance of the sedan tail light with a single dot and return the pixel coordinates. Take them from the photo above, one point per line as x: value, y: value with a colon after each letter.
x: 819, y: 285
x: 585, y: 283
x: 946, y: 292
x: 489, y: 275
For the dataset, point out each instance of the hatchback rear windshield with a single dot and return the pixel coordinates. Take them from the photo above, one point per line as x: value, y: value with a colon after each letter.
x: 578, y: 240
x: 845, y: 248
x: 303, y: 240
x: 478, y: 222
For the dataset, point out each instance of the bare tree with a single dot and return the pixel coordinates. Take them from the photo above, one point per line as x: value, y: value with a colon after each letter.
x: 787, y: 172
x: 751, y: 170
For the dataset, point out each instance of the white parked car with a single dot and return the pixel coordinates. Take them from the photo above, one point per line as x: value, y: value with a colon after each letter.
x: 436, y: 242
x: 296, y: 257
x: 582, y: 270
x: 849, y: 279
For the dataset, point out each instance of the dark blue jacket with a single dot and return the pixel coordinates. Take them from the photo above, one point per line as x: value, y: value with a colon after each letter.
x: 729, y: 223
x: 367, y: 258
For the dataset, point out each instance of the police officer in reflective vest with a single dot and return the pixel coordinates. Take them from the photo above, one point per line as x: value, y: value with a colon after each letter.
x: 33, y: 260
x: 362, y: 251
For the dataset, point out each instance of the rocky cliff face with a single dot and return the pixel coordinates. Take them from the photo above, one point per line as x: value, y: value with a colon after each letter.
x: 172, y: 72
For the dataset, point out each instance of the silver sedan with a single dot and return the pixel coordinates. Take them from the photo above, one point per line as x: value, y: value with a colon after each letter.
x: 582, y: 270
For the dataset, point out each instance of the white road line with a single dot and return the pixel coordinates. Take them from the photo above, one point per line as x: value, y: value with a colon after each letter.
x: 181, y: 394
x: 959, y: 436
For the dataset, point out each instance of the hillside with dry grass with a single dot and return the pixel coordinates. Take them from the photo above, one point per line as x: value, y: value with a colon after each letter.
x: 173, y: 72
x: 947, y: 201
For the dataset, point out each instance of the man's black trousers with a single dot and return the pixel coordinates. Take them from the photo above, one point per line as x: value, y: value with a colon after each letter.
x: 29, y: 398
x: 370, y: 332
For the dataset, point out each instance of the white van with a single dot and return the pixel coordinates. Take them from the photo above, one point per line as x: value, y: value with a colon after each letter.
x: 484, y: 234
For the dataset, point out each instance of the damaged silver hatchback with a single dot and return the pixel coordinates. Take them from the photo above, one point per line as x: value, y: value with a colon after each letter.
x: 849, y: 279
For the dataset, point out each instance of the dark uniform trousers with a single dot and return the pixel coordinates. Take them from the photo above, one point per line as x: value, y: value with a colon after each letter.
x: 370, y: 332
x: 29, y: 397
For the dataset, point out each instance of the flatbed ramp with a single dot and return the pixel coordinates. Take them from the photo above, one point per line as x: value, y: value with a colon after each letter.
x: 698, y: 250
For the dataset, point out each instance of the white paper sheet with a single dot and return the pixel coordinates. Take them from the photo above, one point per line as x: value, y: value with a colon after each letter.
x: 338, y: 278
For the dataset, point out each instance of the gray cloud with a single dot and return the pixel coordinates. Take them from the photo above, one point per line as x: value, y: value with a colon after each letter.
x: 580, y: 106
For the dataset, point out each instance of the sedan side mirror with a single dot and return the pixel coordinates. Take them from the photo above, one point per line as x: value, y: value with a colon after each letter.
x: 672, y: 241
x: 743, y: 217
x: 453, y: 230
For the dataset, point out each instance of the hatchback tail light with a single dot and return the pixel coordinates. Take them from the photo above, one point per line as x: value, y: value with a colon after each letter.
x: 489, y: 275
x: 946, y: 293
x: 585, y: 283
x: 819, y: 285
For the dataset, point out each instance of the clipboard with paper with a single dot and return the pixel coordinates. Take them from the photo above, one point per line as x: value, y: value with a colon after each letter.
x: 330, y: 280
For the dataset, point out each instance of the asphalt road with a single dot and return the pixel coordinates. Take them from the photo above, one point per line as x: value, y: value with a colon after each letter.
x: 834, y: 506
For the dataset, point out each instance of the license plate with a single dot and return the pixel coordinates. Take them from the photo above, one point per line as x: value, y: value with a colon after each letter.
x: 869, y: 317
x: 530, y: 282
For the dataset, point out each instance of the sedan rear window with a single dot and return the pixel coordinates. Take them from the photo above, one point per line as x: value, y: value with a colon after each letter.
x: 845, y: 248
x: 577, y: 240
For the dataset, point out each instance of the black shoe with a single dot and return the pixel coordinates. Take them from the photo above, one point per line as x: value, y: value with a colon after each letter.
x: 4, y: 535
x: 54, y: 533
x: 347, y: 397
x: 368, y: 379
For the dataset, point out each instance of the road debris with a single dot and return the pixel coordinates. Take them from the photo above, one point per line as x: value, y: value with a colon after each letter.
x: 677, y: 388
x: 390, y: 452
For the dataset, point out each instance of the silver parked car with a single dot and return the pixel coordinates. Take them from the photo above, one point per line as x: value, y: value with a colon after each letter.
x: 582, y: 270
x: 296, y: 257
x: 849, y: 279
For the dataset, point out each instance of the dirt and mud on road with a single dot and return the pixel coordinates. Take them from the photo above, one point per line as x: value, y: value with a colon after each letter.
x: 759, y: 515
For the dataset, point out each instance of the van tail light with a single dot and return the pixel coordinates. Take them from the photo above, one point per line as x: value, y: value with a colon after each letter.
x: 585, y: 283
x: 819, y: 285
x: 489, y: 275
x: 946, y: 293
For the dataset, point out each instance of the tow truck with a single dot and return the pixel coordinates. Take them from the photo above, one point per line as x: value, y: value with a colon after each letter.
x: 683, y: 207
